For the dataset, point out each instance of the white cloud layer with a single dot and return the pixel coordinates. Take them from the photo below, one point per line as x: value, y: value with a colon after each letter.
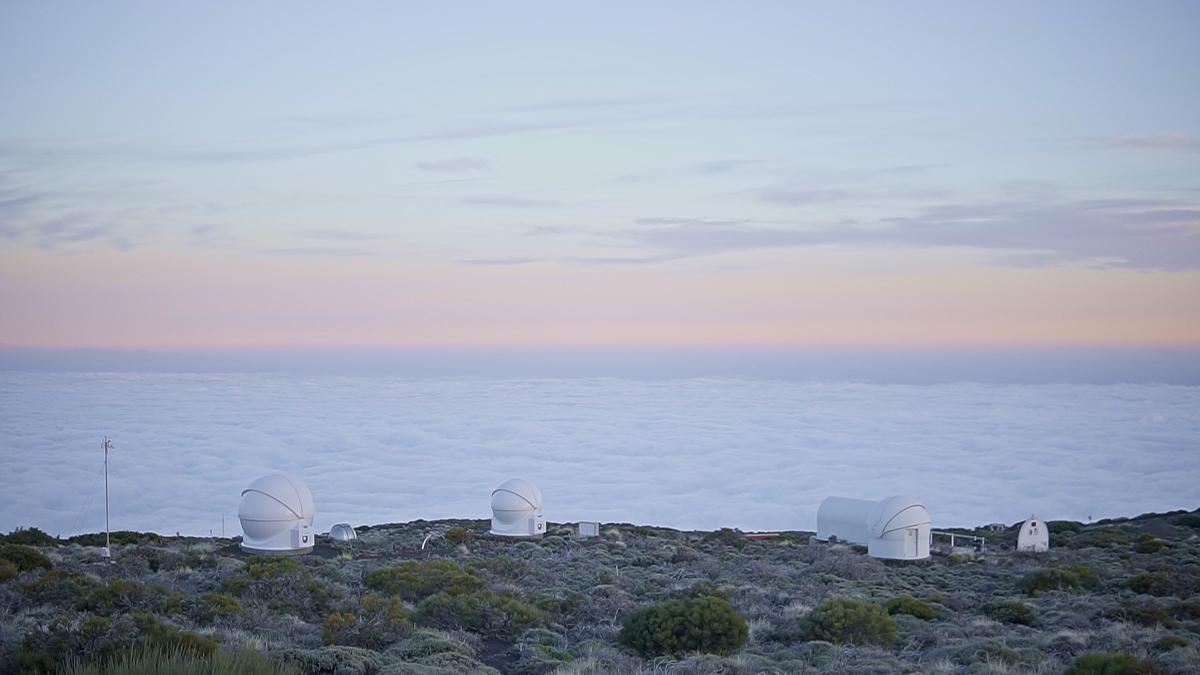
x: 695, y: 453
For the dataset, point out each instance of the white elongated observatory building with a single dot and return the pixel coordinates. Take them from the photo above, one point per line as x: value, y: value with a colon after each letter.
x: 342, y: 532
x: 277, y: 516
x: 517, y: 510
x: 1034, y: 536
x: 896, y: 528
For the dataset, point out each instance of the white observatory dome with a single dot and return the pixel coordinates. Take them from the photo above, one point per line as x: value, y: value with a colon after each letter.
x: 517, y: 510
x: 1034, y: 536
x: 342, y: 532
x: 277, y: 515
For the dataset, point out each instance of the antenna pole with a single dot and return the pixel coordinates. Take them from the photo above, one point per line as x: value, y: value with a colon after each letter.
x: 107, y: 535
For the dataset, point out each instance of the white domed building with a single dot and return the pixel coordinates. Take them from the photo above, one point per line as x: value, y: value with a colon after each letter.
x: 277, y: 516
x: 1034, y: 536
x: 517, y: 510
x: 896, y: 528
x: 342, y: 532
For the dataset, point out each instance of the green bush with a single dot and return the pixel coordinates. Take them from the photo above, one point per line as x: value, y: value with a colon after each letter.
x: 8, y: 571
x: 217, y: 605
x: 1148, y: 543
x: 1189, y: 520
x: 483, y: 611
x: 849, y: 621
x: 415, y: 581
x: 1101, y: 538
x: 23, y: 557
x: 1108, y: 663
x: 1148, y: 614
x: 165, y: 637
x: 182, y: 662
x: 334, y: 659
x: 1168, y: 642
x: 1070, y: 578
x: 910, y: 606
x: 674, y: 627
x: 59, y: 587
x: 117, y: 538
x: 117, y: 595
x: 284, y: 585
x: 1150, y: 584
x: 29, y: 537
x: 1011, y: 612
x: 458, y: 535
x: 376, y: 624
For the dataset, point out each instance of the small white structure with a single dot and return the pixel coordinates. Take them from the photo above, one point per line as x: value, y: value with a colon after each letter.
x: 342, y: 532
x: 277, y: 516
x: 517, y: 510
x: 588, y: 529
x: 896, y: 528
x: 1034, y: 536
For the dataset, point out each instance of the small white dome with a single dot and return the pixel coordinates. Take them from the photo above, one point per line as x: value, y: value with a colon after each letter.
x: 277, y: 513
x: 517, y: 509
x: 897, y: 513
x: 342, y: 532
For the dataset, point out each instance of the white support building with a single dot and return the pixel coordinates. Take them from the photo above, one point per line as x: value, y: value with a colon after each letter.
x: 896, y: 528
x: 1034, y: 536
x: 517, y: 510
x: 277, y: 516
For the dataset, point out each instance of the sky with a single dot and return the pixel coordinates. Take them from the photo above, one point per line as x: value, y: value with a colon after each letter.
x: 967, y: 175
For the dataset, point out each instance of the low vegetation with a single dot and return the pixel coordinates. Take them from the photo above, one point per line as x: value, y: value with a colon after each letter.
x: 706, y: 624
x: 435, y: 598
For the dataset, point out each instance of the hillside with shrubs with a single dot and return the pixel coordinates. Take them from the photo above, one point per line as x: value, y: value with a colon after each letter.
x: 443, y: 597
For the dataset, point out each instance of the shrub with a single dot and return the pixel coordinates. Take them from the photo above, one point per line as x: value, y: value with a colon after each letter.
x: 849, y: 621
x: 166, y: 637
x: 1011, y: 612
x: 29, y: 537
x: 1145, y: 614
x: 416, y: 581
x: 483, y: 611
x: 426, y: 641
x: 1069, y: 578
x: 216, y: 605
x: 116, y: 595
x: 1150, y: 584
x: 333, y: 659
x: 23, y: 557
x: 58, y: 587
x: 1108, y: 663
x: 458, y: 535
x: 705, y: 624
x: 1101, y: 538
x: 1188, y: 520
x: 8, y: 571
x: 117, y: 538
x: 377, y: 624
x: 181, y: 662
x: 910, y: 606
x: 1168, y: 642
x: 1148, y: 543
x: 284, y: 585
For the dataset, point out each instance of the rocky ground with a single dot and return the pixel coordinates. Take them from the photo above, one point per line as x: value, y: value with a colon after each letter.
x: 444, y: 597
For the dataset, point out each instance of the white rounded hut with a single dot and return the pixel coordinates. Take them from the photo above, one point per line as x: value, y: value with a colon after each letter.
x: 342, y: 532
x: 277, y: 516
x: 1034, y: 536
x: 896, y: 528
x: 517, y: 510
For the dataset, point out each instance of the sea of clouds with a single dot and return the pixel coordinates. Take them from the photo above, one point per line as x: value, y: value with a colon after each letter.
x: 692, y: 453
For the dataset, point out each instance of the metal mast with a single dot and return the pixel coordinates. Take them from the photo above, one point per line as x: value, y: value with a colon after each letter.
x: 107, y: 445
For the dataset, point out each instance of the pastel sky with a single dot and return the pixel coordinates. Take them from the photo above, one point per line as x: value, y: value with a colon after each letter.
x: 206, y: 175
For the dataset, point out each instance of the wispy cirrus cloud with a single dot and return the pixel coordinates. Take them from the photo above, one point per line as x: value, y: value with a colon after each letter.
x: 1176, y: 142
x: 1127, y: 233
x: 454, y: 164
